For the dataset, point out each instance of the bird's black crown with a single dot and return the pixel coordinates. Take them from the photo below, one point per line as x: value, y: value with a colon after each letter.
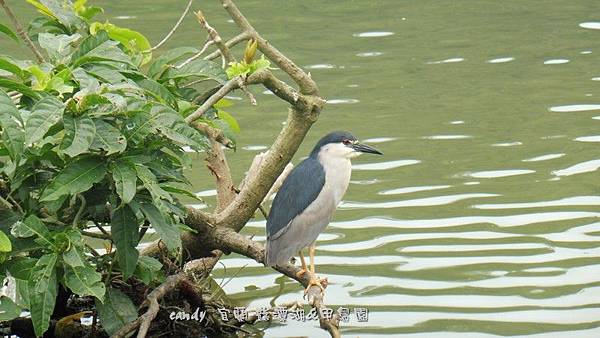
x: 333, y: 137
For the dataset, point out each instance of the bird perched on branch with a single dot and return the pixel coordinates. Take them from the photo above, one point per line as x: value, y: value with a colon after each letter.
x: 308, y: 198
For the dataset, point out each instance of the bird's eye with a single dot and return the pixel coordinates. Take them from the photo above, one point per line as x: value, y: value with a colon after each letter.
x: 347, y: 142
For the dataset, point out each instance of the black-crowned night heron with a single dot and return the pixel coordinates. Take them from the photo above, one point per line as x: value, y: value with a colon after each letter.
x: 308, y: 198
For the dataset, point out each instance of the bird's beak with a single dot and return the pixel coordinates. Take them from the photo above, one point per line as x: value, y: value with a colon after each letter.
x: 363, y: 148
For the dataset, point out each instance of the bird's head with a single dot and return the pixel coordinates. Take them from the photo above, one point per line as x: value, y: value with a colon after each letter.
x: 341, y: 144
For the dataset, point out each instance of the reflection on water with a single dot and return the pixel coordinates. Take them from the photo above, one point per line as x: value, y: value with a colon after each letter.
x: 449, y: 91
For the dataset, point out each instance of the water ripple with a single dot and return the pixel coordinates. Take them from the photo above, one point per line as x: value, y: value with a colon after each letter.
x: 592, y: 138
x: 419, y: 202
x: 544, y: 157
x: 499, y: 173
x: 590, y: 25
x: 556, y: 61
x: 447, y: 137
x: 380, y: 139
x: 501, y: 221
x: 407, y: 190
x: 451, y: 60
x: 567, y: 201
x: 579, y: 168
x: 575, y: 108
x: 501, y: 60
x: 372, y: 34
x: 384, y: 165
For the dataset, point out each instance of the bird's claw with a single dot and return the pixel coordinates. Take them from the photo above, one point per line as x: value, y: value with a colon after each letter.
x: 316, y: 281
x: 301, y: 273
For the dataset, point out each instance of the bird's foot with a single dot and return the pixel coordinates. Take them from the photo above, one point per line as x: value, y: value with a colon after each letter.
x: 316, y: 281
x: 301, y: 273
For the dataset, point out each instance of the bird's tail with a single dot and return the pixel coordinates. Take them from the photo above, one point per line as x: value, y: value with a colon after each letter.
x: 274, y: 255
x: 269, y: 254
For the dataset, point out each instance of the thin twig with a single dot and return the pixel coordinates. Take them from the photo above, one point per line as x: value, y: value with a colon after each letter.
x: 5, y: 203
x: 185, y: 12
x: 144, y: 321
x: 94, y: 235
x: 207, y: 44
x: 77, y: 218
x: 214, y: 36
x: 227, y: 87
x: 229, y: 44
x: 22, y: 32
x: 306, y: 84
x: 17, y: 205
x: 101, y: 228
x: 92, y: 250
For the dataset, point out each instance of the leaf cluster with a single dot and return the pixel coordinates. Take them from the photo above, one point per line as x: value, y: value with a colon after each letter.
x: 93, y: 141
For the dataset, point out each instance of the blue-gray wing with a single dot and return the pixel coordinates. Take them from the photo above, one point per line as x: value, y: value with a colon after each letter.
x: 299, y: 189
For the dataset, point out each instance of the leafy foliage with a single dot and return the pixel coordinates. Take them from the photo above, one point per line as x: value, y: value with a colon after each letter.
x: 90, y: 139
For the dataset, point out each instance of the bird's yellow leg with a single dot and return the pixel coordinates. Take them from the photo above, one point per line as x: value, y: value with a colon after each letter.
x: 314, y: 280
x: 303, y: 270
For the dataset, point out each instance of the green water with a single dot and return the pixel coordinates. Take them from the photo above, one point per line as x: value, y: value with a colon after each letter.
x: 481, y: 218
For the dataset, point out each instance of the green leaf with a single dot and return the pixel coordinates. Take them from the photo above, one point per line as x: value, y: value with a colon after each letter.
x: 76, y: 177
x: 8, y: 32
x: 79, y: 135
x: 13, y: 135
x: 116, y: 311
x: 89, y: 44
x: 151, y: 183
x: 140, y: 125
x: 43, y: 289
x: 107, y: 51
x: 125, y: 177
x: 158, y: 91
x: 85, y: 281
x: 74, y: 257
x: 197, y: 68
x: 31, y: 226
x: 124, y: 229
x: 5, y: 245
x: 10, y: 66
x: 134, y: 41
x: 168, y: 232
x: 59, y: 10
x: 169, y: 58
x: 146, y: 269
x: 173, y: 126
x: 21, y: 88
x: 58, y: 46
x: 44, y: 115
x: 8, y: 309
x: 230, y: 120
x: 108, y: 138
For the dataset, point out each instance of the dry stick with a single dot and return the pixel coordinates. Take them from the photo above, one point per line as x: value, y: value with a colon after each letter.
x: 229, y: 44
x: 227, y: 87
x: 214, y: 36
x: 306, y: 84
x: 21, y: 32
x: 197, y: 55
x: 168, y: 36
x: 144, y: 321
x: 225, y: 53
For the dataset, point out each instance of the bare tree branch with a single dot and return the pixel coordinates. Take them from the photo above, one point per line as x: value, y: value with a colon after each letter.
x: 306, y: 84
x: 214, y: 36
x: 227, y: 87
x: 21, y: 32
x: 144, y: 321
x: 229, y: 44
x: 177, y: 24
x: 214, y: 133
